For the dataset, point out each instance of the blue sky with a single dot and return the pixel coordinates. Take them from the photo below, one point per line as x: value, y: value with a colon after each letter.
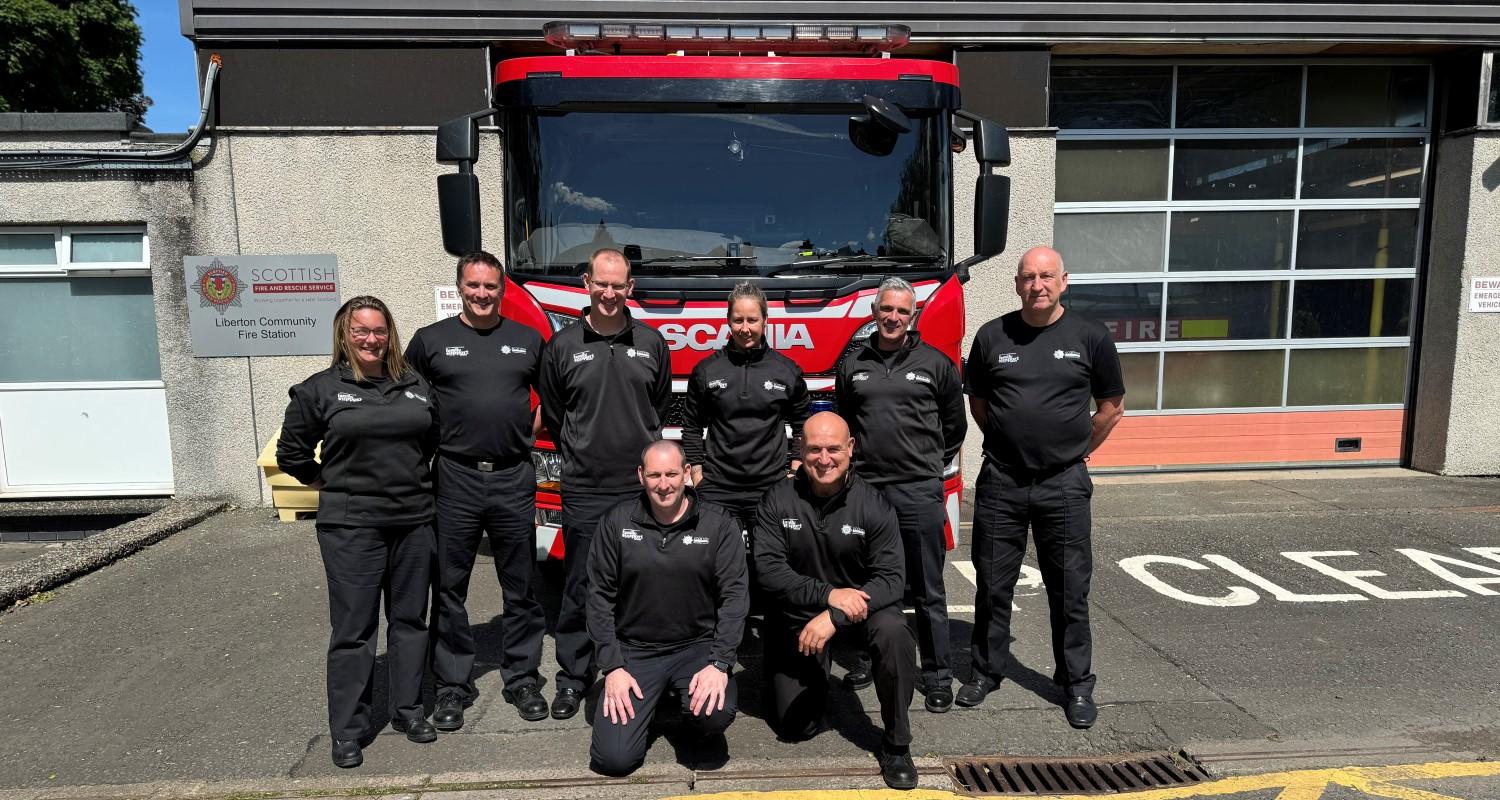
x: 168, y: 64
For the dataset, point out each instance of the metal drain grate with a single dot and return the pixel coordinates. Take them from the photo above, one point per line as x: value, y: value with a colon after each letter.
x: 996, y: 776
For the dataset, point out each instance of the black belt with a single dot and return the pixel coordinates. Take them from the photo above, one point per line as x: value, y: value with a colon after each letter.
x: 1025, y: 476
x: 480, y: 464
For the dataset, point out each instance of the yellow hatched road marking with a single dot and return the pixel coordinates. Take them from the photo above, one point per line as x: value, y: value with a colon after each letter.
x: 1295, y: 785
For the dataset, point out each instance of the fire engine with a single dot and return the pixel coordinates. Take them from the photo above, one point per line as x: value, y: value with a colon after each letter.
x: 805, y: 158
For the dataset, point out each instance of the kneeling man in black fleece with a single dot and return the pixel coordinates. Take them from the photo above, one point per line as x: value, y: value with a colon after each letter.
x: 828, y: 556
x: 666, y: 609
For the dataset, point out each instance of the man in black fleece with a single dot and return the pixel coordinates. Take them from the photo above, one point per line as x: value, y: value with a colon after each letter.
x: 905, y: 407
x: 666, y: 608
x: 605, y: 386
x: 828, y: 556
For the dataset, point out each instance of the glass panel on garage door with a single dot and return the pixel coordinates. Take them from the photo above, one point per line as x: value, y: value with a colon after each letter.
x: 1249, y: 232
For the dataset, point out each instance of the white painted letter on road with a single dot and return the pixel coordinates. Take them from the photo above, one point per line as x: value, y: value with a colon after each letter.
x: 1136, y: 567
x: 1429, y: 562
x: 1278, y: 592
x: 1353, y: 577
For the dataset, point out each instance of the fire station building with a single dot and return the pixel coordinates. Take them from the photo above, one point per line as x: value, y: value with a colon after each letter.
x: 1288, y: 214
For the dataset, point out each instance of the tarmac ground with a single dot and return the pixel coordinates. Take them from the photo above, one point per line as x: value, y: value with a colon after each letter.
x: 1270, y: 622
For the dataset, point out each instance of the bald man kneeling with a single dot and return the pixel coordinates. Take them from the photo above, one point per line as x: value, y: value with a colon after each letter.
x: 828, y: 556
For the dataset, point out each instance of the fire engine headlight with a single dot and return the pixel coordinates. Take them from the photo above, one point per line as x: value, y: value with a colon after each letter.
x: 559, y: 320
x: 865, y: 331
x: 548, y: 470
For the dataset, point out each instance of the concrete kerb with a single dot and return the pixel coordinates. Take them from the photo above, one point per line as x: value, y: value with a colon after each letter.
x: 650, y: 781
x: 56, y: 567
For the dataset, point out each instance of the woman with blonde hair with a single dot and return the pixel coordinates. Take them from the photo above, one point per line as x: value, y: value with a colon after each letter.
x: 377, y: 424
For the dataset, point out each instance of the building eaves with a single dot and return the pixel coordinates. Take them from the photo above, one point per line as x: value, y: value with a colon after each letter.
x: 930, y: 20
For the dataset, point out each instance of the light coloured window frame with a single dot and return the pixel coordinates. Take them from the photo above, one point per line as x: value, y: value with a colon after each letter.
x: 1488, y: 117
x: 1296, y: 204
x: 62, y: 245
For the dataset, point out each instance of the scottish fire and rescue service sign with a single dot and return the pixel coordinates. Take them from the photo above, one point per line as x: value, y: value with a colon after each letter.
x: 261, y: 305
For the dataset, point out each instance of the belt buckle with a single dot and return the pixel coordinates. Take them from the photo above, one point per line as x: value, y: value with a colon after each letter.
x: 485, y: 466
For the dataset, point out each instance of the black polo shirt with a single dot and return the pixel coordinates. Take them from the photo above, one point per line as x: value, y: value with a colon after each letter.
x: 604, y: 399
x: 483, y: 380
x: 1038, y: 383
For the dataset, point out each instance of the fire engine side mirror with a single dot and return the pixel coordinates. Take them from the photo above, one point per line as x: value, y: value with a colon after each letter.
x: 991, y: 218
x: 458, y: 212
x: 458, y: 192
x: 991, y: 214
x: 458, y: 141
x: 991, y: 140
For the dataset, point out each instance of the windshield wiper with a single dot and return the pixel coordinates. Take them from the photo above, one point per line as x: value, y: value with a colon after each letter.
x: 689, y: 262
x: 857, y: 258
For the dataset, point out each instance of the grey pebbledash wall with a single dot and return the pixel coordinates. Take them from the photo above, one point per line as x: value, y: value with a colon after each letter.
x: 1457, y: 401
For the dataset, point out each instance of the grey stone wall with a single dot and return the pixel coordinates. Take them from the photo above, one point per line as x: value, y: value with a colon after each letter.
x: 1458, y: 382
x: 991, y: 290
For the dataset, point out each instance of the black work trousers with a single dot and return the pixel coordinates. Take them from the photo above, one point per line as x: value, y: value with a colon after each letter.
x: 365, y: 566
x: 742, y: 503
x: 797, y: 685
x: 575, y: 650
x: 1056, y: 508
x: 921, y: 516
x: 618, y: 749
x: 471, y: 503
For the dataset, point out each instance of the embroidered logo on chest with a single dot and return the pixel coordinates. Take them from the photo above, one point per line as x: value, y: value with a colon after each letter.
x: 345, y: 397
x: 1008, y: 358
x: 582, y: 355
x: 1061, y: 354
x: 851, y: 530
x: 792, y: 524
x: 718, y: 383
x: 507, y: 350
x: 689, y: 539
x: 860, y: 376
x: 634, y: 353
x: 773, y: 385
x: 410, y: 395
x: 918, y: 377
x: 632, y: 534
x: 456, y: 352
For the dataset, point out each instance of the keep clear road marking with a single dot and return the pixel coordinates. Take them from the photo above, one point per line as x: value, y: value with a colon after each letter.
x: 1309, y: 784
x: 1031, y: 578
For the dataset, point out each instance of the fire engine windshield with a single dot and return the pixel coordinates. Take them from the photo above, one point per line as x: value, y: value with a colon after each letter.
x: 726, y: 194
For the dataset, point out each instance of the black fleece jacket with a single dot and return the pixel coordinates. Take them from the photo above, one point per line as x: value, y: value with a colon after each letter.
x: 743, y: 397
x: 378, y: 438
x: 906, y: 410
x: 806, y: 546
x: 604, y: 399
x: 658, y: 586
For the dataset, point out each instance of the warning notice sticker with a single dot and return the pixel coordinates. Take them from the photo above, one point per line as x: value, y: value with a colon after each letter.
x: 1484, y: 294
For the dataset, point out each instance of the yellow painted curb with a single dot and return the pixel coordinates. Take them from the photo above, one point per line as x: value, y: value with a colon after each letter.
x: 1294, y: 785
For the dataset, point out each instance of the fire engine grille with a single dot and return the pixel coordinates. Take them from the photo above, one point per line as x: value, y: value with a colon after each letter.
x: 679, y: 401
x: 996, y: 776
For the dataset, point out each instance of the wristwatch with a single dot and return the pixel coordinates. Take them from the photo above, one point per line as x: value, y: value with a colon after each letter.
x: 722, y: 666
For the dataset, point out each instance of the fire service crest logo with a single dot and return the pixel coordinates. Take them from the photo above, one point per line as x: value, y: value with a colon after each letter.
x: 218, y: 286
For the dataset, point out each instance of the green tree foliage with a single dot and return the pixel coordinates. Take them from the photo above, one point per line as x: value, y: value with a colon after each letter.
x: 70, y: 55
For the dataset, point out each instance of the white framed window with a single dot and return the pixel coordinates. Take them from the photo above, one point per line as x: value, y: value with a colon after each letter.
x: 100, y: 250
x: 1249, y: 230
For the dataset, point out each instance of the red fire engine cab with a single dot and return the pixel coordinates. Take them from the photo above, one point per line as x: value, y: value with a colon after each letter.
x: 804, y: 158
